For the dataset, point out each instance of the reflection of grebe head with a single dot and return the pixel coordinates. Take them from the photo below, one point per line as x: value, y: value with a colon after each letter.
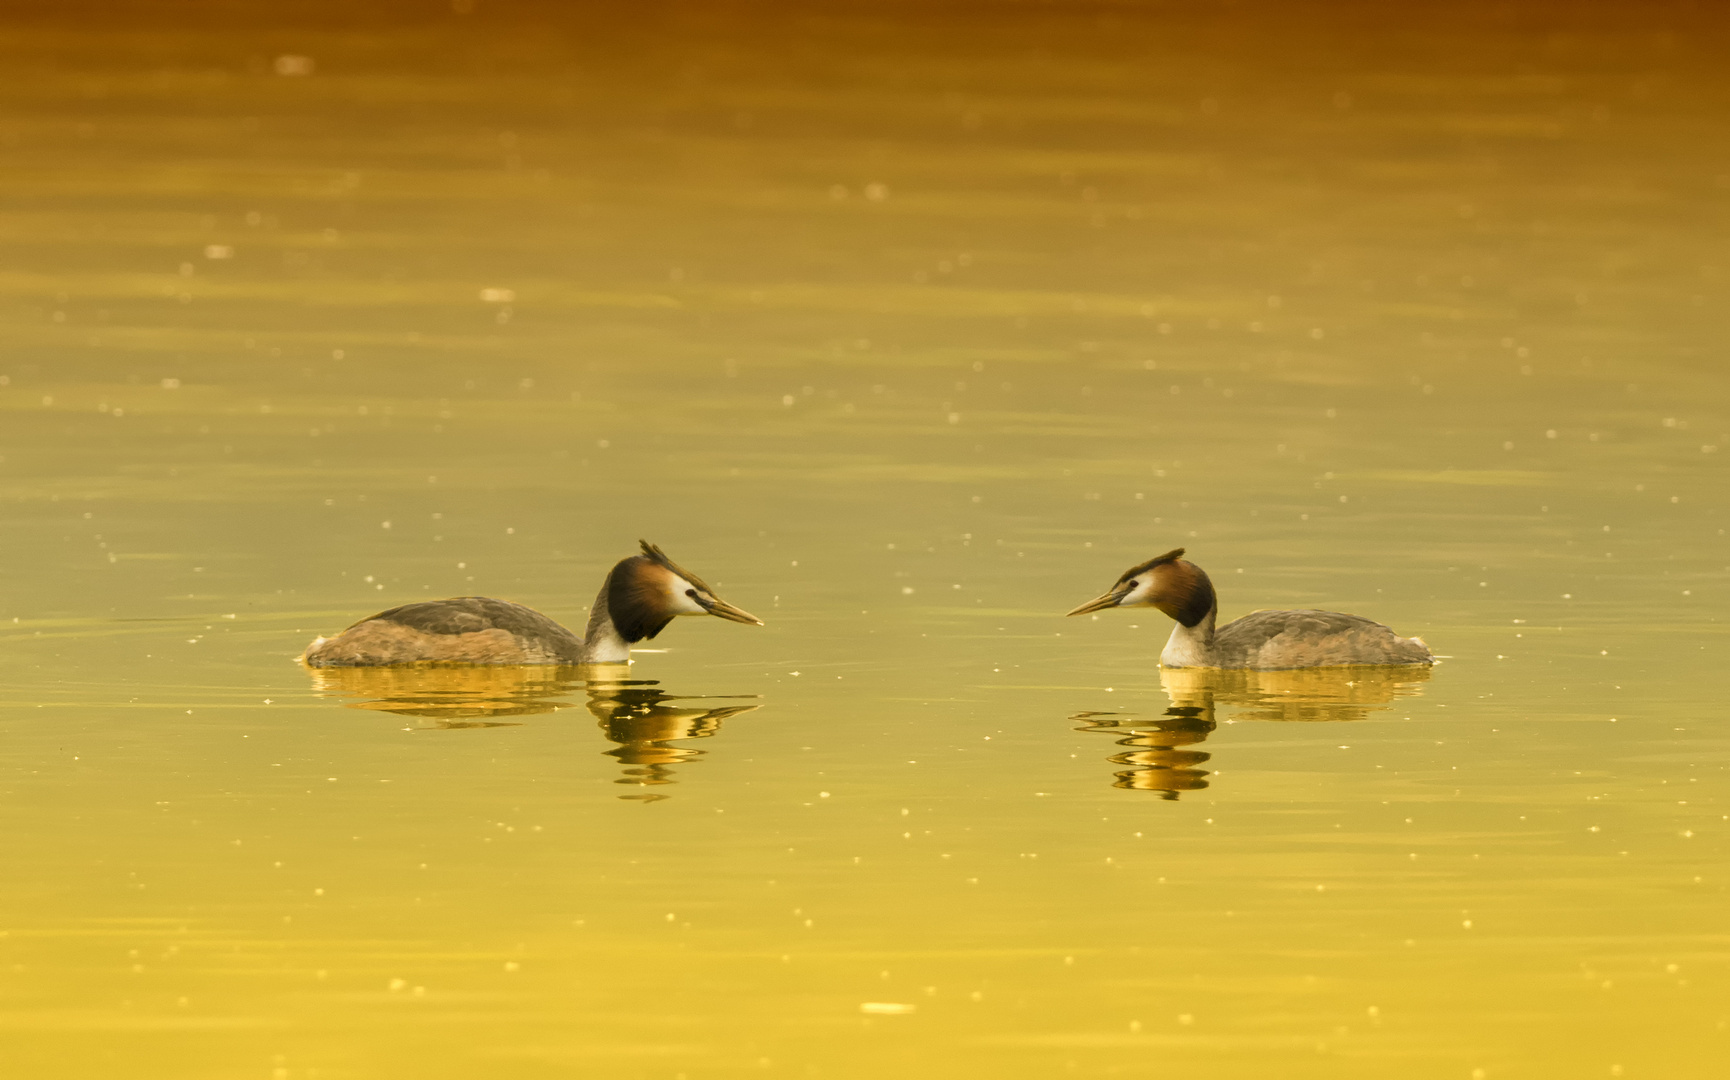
x: 646, y: 592
x: 1167, y: 582
x: 637, y: 718
x: 1154, y: 751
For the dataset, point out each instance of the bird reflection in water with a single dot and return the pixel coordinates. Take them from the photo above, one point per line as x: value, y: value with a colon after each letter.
x: 1158, y: 755
x: 634, y: 713
x: 638, y: 717
x: 1156, y: 758
x: 452, y: 697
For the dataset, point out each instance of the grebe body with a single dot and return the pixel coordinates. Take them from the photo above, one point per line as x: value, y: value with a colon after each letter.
x: 1261, y: 640
x: 640, y: 596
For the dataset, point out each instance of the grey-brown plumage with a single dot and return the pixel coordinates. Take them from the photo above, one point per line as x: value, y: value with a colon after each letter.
x: 461, y: 630
x: 1269, y: 640
x: 639, y: 597
x: 1262, y: 640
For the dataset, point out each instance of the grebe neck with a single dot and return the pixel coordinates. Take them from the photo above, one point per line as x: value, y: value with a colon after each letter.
x: 602, y: 642
x: 1191, y: 646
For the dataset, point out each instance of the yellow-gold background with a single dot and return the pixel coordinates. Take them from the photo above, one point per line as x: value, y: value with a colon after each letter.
x: 908, y: 326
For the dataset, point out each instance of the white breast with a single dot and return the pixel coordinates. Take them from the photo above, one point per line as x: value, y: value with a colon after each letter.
x: 1189, y: 646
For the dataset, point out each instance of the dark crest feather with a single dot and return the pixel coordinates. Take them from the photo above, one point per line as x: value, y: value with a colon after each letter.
x: 1171, y: 556
x: 656, y: 555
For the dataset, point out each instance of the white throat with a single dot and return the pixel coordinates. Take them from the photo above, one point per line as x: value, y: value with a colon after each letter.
x: 603, y: 645
x: 1191, y: 646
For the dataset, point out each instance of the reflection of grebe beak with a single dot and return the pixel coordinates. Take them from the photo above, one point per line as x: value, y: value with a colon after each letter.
x: 1110, y: 599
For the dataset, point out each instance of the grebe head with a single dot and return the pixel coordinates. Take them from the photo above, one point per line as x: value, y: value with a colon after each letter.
x: 646, y: 592
x: 1168, y: 582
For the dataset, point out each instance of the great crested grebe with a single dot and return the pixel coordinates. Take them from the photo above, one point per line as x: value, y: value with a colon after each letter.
x: 1262, y: 640
x: 641, y: 595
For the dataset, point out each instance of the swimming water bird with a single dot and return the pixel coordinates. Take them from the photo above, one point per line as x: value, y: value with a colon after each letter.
x: 1262, y: 640
x: 640, y: 596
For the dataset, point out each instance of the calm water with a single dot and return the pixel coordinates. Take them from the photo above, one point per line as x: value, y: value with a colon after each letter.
x: 909, y: 331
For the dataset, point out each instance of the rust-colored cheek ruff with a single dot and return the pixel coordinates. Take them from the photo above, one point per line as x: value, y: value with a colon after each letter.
x: 637, y: 597
x: 1182, y: 590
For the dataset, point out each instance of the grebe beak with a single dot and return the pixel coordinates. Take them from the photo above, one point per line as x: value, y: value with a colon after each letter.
x: 1110, y: 599
x: 722, y: 609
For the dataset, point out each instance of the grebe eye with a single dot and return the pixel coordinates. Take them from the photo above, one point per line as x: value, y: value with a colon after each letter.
x: 692, y: 593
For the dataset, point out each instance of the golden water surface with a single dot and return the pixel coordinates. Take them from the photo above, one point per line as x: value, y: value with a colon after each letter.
x: 908, y: 326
